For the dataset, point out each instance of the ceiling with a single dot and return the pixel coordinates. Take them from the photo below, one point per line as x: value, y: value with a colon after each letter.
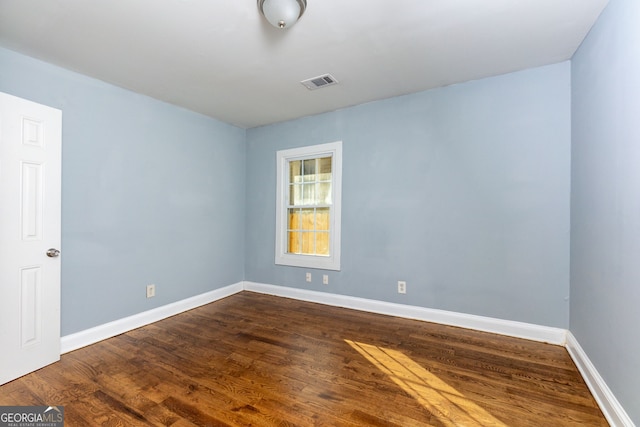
x: 221, y: 58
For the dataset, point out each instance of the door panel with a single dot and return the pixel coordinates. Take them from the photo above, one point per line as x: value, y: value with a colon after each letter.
x: 31, y: 304
x: 31, y: 200
x: 30, y: 216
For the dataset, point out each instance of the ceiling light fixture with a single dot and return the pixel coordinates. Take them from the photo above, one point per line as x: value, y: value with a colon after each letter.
x: 282, y: 13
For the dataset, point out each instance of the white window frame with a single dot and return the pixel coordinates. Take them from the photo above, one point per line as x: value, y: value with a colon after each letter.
x: 331, y: 262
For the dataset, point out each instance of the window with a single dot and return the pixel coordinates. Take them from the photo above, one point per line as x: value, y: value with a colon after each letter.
x: 308, y: 206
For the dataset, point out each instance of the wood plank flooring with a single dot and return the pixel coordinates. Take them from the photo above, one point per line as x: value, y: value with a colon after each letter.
x: 258, y: 360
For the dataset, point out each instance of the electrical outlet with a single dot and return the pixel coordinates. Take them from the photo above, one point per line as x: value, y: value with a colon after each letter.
x: 325, y: 279
x: 402, y: 287
x: 151, y: 291
x: 308, y: 277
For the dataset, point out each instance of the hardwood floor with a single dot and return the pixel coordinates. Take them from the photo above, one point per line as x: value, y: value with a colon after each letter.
x: 257, y: 360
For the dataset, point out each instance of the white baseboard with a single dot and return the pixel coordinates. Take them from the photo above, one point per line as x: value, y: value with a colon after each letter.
x: 91, y: 336
x: 613, y: 411
x: 487, y: 324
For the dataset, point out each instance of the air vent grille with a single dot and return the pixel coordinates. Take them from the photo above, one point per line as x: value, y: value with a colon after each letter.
x: 319, y: 82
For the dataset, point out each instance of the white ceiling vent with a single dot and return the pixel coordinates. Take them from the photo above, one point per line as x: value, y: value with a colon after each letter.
x: 320, y: 81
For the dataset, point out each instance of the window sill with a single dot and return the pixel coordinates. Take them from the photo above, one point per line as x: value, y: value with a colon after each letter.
x: 308, y: 261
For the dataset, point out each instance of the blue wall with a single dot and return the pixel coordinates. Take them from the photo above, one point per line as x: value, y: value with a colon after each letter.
x: 605, y: 200
x: 151, y: 193
x: 461, y: 191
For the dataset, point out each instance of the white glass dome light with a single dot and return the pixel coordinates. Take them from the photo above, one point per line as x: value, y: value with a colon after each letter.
x: 282, y: 13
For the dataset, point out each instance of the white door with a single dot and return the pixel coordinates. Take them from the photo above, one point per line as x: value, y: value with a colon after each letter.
x: 30, y: 171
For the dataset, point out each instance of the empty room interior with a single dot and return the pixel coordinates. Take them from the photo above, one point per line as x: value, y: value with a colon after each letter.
x: 439, y: 226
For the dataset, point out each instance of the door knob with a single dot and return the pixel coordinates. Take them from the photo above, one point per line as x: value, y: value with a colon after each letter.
x: 52, y: 253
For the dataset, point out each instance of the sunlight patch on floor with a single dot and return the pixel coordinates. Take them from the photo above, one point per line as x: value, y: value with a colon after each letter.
x: 446, y: 403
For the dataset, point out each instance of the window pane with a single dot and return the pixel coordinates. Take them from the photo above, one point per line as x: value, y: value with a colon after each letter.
x: 309, y: 170
x: 293, y: 242
x: 322, y: 219
x: 322, y: 243
x: 308, y: 217
x: 307, y: 243
x: 309, y: 194
x: 324, y: 168
x: 324, y: 193
x: 295, y: 171
x: 294, y: 219
x: 295, y: 195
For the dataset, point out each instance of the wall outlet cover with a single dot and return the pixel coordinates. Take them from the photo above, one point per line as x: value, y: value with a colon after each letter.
x: 402, y: 287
